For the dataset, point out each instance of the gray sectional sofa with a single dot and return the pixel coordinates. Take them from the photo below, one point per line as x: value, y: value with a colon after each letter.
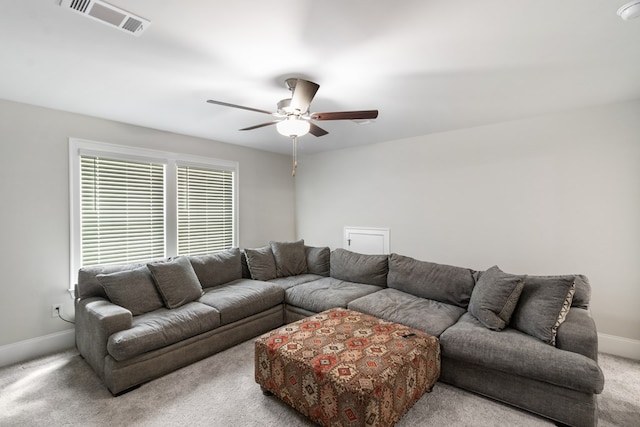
x: 528, y: 341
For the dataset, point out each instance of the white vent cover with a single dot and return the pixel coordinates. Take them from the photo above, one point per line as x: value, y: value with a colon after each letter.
x: 108, y: 14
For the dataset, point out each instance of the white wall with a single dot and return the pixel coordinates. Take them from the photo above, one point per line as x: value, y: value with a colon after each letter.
x: 34, y: 217
x: 549, y: 195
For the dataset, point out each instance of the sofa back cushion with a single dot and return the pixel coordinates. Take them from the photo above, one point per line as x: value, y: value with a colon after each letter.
x: 290, y: 258
x: 583, y: 292
x: 359, y: 268
x: 439, y: 282
x: 318, y: 260
x: 88, y: 285
x: 218, y: 268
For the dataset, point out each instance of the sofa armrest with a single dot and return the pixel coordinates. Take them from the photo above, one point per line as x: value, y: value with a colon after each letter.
x: 578, y: 334
x: 96, y: 320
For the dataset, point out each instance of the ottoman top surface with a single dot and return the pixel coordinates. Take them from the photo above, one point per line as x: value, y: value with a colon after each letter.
x: 347, y: 335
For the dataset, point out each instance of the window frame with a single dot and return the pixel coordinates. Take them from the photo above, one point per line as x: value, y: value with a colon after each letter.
x: 170, y: 160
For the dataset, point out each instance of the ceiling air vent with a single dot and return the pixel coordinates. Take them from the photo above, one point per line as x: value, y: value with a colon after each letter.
x: 108, y: 14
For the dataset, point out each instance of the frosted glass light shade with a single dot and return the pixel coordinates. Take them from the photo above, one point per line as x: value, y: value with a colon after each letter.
x: 293, y: 126
x: 630, y: 10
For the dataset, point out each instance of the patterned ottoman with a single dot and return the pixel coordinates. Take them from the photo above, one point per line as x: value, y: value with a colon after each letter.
x: 344, y: 368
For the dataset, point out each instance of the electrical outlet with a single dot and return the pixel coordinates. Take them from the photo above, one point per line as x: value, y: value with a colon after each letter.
x: 56, y: 310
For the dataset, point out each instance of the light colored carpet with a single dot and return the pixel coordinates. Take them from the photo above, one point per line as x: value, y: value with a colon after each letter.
x: 61, y: 390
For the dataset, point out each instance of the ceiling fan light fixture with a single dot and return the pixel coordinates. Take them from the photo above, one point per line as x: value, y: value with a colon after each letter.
x: 293, y: 126
x: 630, y: 10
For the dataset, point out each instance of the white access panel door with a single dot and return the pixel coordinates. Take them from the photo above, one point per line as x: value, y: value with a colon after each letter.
x: 370, y: 241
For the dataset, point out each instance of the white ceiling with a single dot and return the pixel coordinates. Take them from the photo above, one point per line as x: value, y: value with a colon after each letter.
x: 427, y: 65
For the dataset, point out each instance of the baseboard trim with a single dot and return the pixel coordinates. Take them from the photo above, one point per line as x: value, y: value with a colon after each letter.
x: 36, y: 347
x: 619, y: 346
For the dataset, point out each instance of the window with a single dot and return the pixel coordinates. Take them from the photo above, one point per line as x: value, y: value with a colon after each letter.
x: 205, y: 210
x: 134, y: 205
x: 122, y: 210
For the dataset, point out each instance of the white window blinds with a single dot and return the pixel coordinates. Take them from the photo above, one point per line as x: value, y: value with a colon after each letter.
x: 205, y: 210
x: 122, y: 211
x: 124, y: 204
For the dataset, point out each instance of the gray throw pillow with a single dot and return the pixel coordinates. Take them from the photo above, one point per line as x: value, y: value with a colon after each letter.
x: 218, y: 268
x: 261, y: 263
x: 176, y: 281
x: 318, y: 260
x: 132, y: 289
x: 543, y: 306
x: 494, y: 298
x: 359, y: 268
x: 290, y: 258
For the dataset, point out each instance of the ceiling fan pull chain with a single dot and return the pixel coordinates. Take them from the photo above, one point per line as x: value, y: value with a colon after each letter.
x: 295, y: 155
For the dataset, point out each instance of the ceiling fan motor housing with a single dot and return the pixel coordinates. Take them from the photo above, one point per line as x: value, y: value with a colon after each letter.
x: 284, y: 106
x: 291, y: 83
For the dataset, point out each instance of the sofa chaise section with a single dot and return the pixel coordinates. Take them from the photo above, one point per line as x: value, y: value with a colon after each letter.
x: 550, y: 370
x: 522, y: 371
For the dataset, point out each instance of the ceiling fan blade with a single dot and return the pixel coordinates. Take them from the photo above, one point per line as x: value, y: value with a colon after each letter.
x: 346, y: 115
x: 226, y: 104
x: 261, y: 125
x: 302, y: 95
x: 316, y: 130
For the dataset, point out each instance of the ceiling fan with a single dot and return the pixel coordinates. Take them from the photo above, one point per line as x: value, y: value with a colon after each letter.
x: 293, y: 117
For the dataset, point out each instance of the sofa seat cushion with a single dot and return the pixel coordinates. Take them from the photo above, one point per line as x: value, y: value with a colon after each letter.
x: 288, y: 282
x: 162, y: 327
x: 326, y: 293
x: 393, y: 305
x: 517, y: 353
x: 242, y: 298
